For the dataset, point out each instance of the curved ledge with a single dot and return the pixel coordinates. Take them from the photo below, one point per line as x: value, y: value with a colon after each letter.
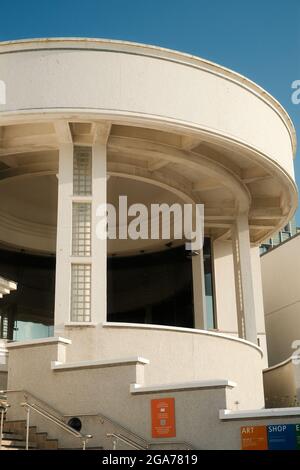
x: 264, y: 413
x: 160, y: 53
x: 182, y: 386
x: 182, y: 330
x: 38, y: 342
x: 283, y: 363
x: 58, y: 366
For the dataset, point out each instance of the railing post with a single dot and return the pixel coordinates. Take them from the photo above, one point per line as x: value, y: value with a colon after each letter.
x: 27, y: 427
x: 1, y: 426
x: 115, y: 444
x: 83, y: 444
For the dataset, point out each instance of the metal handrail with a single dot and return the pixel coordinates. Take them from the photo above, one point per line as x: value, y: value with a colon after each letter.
x: 3, y: 409
x: 147, y: 444
x: 126, y: 440
x: 115, y: 424
x: 28, y: 395
x: 53, y: 419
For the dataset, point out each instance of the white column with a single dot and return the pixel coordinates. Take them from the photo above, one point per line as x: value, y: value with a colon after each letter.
x: 99, y: 247
x: 244, y: 276
x: 238, y: 288
x: 64, y: 237
x: 199, y: 291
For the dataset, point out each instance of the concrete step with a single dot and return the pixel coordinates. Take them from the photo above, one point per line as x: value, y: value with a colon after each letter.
x: 17, y: 443
x: 12, y: 436
x: 16, y: 431
x: 11, y: 448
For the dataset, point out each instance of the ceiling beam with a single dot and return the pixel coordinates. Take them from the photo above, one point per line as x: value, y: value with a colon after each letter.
x: 140, y: 149
x: 266, y: 213
x: 266, y: 202
x: 254, y: 174
x: 63, y: 132
x: 10, y: 161
x: 190, y: 143
x: 157, y: 164
x: 30, y: 169
x: 207, y: 186
x: 101, y: 132
x: 26, y: 148
x: 217, y: 156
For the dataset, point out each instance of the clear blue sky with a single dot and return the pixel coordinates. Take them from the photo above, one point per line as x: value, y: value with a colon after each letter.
x: 258, y: 38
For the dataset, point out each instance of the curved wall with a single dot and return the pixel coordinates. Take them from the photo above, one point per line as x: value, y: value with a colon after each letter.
x: 280, y: 282
x: 121, y: 79
x: 176, y: 355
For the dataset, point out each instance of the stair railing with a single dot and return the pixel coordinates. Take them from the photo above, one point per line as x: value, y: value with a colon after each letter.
x: 3, y: 409
x: 121, y: 430
x: 59, y: 421
x: 134, y: 440
x: 31, y: 407
x: 126, y: 440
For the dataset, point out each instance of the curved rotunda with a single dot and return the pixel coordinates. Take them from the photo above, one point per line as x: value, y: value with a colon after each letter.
x: 86, y: 121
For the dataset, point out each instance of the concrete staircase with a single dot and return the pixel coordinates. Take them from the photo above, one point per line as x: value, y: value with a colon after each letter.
x: 14, y: 435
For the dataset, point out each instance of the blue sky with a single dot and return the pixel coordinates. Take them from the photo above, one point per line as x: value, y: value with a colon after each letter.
x: 257, y: 38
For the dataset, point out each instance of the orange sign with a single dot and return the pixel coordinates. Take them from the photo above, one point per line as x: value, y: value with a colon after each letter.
x: 254, y: 438
x: 163, y: 417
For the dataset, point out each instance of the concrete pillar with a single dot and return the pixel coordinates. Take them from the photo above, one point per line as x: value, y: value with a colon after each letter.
x: 244, y: 279
x: 199, y: 291
x: 80, y: 295
x: 64, y: 237
x: 3, y: 352
x: 99, y: 247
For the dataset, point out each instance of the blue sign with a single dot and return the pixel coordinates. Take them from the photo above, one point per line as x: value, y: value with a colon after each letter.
x: 282, y: 437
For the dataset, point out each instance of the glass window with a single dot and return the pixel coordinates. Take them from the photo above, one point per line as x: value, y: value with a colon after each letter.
x: 82, y: 171
x: 24, y: 330
x: 81, y: 229
x: 81, y: 293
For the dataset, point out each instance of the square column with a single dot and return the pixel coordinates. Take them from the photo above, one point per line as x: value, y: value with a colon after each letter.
x: 80, y: 296
x: 244, y: 279
x: 99, y: 247
x: 63, y: 237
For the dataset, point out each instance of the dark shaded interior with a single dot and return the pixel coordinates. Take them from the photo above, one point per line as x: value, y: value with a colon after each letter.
x: 27, y: 312
x: 153, y: 288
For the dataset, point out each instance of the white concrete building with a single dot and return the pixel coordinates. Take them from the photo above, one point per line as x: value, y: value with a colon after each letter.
x: 280, y: 277
x: 136, y: 320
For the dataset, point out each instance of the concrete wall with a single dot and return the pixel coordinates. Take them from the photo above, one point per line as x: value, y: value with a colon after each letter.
x: 3, y: 377
x: 225, y: 287
x: 115, y: 77
x: 176, y: 355
x: 99, y: 389
x: 225, y: 293
x: 86, y: 390
x: 3, y: 365
x: 281, y: 385
x: 281, y: 290
x: 259, y: 304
